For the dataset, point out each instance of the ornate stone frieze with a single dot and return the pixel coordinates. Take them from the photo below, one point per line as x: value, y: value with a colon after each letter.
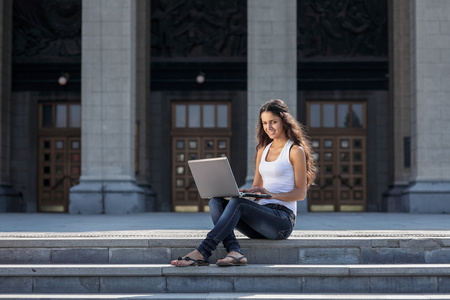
x: 47, y: 31
x: 198, y: 28
x: 342, y: 28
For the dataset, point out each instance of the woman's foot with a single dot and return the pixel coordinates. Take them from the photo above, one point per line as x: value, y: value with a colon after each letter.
x: 194, y: 258
x: 233, y: 258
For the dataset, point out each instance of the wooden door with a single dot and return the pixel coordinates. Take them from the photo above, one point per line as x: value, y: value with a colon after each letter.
x: 59, y: 154
x: 59, y: 170
x: 338, y: 137
x: 199, y: 130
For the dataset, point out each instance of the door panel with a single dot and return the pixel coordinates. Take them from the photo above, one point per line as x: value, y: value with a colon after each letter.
x: 185, y: 197
x: 199, y: 130
x: 59, y: 170
x: 338, y: 138
x: 59, y: 154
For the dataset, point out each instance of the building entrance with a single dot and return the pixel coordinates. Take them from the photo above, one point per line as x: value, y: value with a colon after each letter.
x: 338, y: 137
x: 59, y: 154
x: 199, y: 130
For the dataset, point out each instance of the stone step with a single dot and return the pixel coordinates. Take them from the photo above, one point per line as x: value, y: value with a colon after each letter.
x: 154, y: 278
x: 362, y: 248
x: 226, y: 296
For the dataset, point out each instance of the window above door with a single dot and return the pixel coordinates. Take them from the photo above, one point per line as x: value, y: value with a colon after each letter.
x: 60, y: 115
x: 201, y: 116
x: 336, y: 115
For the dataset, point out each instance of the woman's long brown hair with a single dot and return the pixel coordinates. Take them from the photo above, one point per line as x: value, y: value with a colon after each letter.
x: 294, y: 131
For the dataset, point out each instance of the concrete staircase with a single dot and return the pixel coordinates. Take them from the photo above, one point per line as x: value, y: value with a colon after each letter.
x: 309, y: 265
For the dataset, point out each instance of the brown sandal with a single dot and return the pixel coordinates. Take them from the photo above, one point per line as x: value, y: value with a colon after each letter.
x: 195, y: 262
x: 235, y: 262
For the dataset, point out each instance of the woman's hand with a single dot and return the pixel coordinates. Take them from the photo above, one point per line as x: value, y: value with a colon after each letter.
x: 259, y: 190
x: 256, y: 190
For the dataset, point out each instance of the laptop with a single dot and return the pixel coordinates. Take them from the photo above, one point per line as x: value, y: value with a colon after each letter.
x: 214, y: 178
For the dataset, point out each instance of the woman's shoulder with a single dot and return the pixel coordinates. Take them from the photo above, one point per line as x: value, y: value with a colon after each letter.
x: 264, y: 147
x: 297, y: 151
x: 295, y: 147
x: 260, y: 152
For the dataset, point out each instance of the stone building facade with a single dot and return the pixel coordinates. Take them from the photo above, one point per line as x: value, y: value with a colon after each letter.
x: 103, y: 102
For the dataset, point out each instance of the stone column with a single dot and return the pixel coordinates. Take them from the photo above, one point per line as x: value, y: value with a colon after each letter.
x: 7, y: 195
x: 107, y: 183
x: 429, y: 189
x: 272, y: 62
x: 400, y: 99
x: 143, y: 54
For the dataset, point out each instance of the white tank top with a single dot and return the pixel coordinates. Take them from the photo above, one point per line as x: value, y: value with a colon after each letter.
x: 278, y: 176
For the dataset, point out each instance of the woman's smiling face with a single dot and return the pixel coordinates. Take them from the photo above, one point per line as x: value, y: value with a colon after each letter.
x: 272, y: 124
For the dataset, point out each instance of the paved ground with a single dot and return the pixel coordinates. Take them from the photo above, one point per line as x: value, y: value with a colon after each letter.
x: 44, y: 224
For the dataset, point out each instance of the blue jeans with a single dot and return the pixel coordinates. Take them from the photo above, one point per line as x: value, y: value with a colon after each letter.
x: 251, y: 219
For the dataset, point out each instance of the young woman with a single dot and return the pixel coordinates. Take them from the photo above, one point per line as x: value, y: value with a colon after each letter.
x: 285, y: 169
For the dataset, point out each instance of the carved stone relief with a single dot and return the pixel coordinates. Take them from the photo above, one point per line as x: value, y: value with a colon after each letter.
x: 50, y: 30
x: 344, y: 28
x: 46, y: 31
x: 199, y: 28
